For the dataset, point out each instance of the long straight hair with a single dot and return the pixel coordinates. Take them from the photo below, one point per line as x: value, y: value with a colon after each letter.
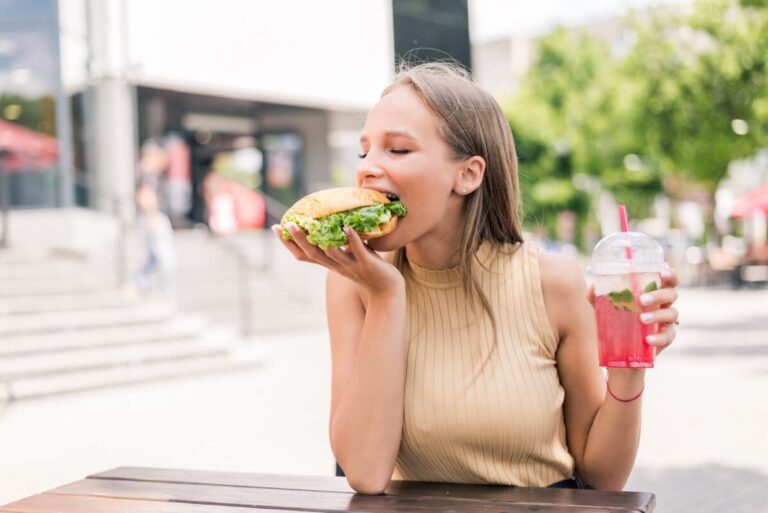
x: 471, y: 122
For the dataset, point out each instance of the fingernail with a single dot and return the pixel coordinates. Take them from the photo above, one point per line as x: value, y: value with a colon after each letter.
x: 666, y: 274
x: 651, y: 339
x: 646, y: 317
x: 646, y: 299
x: 347, y: 230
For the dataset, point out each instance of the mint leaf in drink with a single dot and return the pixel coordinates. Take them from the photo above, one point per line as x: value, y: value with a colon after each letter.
x: 623, y: 300
x: 651, y: 286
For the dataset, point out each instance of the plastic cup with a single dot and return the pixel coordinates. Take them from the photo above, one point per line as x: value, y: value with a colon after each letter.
x: 621, y: 276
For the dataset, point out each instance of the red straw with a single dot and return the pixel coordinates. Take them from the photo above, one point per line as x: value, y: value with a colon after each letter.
x: 625, y: 228
x: 623, y: 217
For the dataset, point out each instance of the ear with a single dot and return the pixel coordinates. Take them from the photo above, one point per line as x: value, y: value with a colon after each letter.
x: 470, y: 175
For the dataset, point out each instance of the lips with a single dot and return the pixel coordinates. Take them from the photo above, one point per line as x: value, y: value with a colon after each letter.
x: 390, y: 195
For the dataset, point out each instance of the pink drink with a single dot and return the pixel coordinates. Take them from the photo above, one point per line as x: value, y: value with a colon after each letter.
x: 620, y: 334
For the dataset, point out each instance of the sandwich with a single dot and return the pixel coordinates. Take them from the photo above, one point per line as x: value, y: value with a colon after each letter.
x: 324, y: 214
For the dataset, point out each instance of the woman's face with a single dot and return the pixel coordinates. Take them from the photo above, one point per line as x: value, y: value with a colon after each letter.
x: 403, y: 154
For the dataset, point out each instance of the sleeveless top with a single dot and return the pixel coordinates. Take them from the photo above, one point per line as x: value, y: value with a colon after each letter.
x: 478, y: 408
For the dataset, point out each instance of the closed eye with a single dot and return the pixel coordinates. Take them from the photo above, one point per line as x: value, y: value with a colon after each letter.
x: 396, y: 151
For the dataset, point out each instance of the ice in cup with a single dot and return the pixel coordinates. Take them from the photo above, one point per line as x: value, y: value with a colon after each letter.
x: 625, y: 265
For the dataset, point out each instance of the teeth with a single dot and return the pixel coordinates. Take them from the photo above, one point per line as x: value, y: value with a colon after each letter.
x: 392, y: 197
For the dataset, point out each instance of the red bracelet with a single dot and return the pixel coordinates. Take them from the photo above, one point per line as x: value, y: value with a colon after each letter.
x: 619, y: 399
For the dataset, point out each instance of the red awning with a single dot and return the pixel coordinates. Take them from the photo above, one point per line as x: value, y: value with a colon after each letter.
x: 750, y: 202
x: 26, y: 149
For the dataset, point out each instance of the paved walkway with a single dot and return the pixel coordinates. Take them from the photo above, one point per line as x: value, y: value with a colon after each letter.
x: 704, y: 446
x: 705, y: 432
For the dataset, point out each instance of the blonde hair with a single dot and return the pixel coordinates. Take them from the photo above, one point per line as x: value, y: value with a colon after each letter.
x: 471, y: 122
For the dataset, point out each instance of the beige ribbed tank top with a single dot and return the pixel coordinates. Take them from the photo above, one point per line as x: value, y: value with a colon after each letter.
x: 468, y: 420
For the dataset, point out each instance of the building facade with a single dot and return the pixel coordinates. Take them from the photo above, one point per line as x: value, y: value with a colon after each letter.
x: 269, y: 95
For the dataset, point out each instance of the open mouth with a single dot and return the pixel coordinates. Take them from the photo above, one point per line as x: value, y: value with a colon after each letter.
x: 392, y: 197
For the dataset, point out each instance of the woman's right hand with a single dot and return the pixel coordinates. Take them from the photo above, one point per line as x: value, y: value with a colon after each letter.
x: 358, y: 262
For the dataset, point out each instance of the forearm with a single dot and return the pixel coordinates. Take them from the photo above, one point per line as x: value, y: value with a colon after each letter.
x: 614, y: 436
x: 366, y: 428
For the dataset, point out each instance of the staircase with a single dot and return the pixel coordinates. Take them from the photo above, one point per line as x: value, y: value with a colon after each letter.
x: 64, y: 327
x: 248, y: 280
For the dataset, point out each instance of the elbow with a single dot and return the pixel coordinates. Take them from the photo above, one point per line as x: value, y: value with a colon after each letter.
x: 367, y: 481
x: 606, y: 483
x: 368, y: 486
x: 609, y: 485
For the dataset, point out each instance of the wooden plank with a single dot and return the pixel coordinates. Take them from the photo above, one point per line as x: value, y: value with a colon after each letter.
x: 302, y: 500
x: 633, y: 501
x: 51, y: 503
x: 287, y: 482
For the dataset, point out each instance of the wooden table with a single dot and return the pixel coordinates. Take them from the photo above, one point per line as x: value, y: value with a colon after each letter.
x: 149, y: 490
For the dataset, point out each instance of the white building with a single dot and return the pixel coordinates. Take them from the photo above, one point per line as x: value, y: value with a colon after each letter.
x: 273, y: 87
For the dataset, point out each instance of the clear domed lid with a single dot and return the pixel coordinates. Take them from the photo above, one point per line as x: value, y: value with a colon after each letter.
x: 611, y: 256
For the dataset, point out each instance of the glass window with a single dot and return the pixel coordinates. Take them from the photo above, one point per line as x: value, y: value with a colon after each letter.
x: 29, y: 151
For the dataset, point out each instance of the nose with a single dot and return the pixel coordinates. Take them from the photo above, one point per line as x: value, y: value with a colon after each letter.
x: 367, y: 171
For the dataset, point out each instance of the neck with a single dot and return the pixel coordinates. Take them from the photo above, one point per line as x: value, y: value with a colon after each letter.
x: 439, y: 249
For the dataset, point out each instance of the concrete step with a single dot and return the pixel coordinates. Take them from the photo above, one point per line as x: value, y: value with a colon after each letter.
x: 47, y: 385
x: 84, y: 284
x: 211, y: 343
x: 51, y: 270
x: 72, y: 302
x: 20, y: 256
x: 176, y: 328
x: 144, y: 313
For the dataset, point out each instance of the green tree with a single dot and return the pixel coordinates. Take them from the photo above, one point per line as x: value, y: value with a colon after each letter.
x: 703, y: 78
x: 569, y: 118
x: 37, y: 114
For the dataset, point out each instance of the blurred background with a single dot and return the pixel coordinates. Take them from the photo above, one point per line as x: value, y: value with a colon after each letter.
x: 146, y: 316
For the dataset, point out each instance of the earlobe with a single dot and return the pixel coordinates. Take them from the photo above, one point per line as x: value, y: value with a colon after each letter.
x: 471, y: 175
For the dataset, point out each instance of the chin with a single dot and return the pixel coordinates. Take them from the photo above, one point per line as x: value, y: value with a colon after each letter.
x: 386, y: 243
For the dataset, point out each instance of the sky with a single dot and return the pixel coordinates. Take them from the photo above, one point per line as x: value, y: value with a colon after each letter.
x: 491, y: 19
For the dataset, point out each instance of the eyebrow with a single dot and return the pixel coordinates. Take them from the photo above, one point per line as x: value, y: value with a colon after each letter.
x: 391, y: 133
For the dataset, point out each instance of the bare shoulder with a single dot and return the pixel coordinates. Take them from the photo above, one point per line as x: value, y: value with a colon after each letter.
x: 564, y: 289
x: 560, y: 274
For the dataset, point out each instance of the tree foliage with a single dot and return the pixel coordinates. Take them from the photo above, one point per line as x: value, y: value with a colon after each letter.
x: 703, y: 78
x: 684, y: 95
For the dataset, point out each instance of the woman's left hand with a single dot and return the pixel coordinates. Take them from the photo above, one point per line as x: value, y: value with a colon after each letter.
x: 657, y: 306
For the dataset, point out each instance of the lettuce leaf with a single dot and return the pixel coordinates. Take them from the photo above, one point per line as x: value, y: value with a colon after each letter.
x: 329, y: 231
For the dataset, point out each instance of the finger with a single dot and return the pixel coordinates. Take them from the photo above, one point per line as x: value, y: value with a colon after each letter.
x: 669, y: 278
x: 291, y: 246
x: 356, y: 245
x: 663, y: 316
x: 591, y: 294
x: 659, y: 297
x: 339, y: 255
x: 311, y: 252
x: 662, y: 339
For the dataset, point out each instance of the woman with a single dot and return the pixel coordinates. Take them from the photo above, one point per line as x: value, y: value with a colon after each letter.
x: 467, y: 356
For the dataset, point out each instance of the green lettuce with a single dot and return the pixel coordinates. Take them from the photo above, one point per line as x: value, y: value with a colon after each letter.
x: 329, y: 231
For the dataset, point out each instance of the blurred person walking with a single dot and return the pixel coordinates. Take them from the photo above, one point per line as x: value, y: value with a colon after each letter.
x: 155, y: 228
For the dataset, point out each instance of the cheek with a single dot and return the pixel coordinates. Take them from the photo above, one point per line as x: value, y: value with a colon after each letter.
x: 427, y: 206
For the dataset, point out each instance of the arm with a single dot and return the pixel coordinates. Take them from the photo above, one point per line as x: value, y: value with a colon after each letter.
x: 366, y: 321
x: 368, y: 353
x: 602, y: 433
